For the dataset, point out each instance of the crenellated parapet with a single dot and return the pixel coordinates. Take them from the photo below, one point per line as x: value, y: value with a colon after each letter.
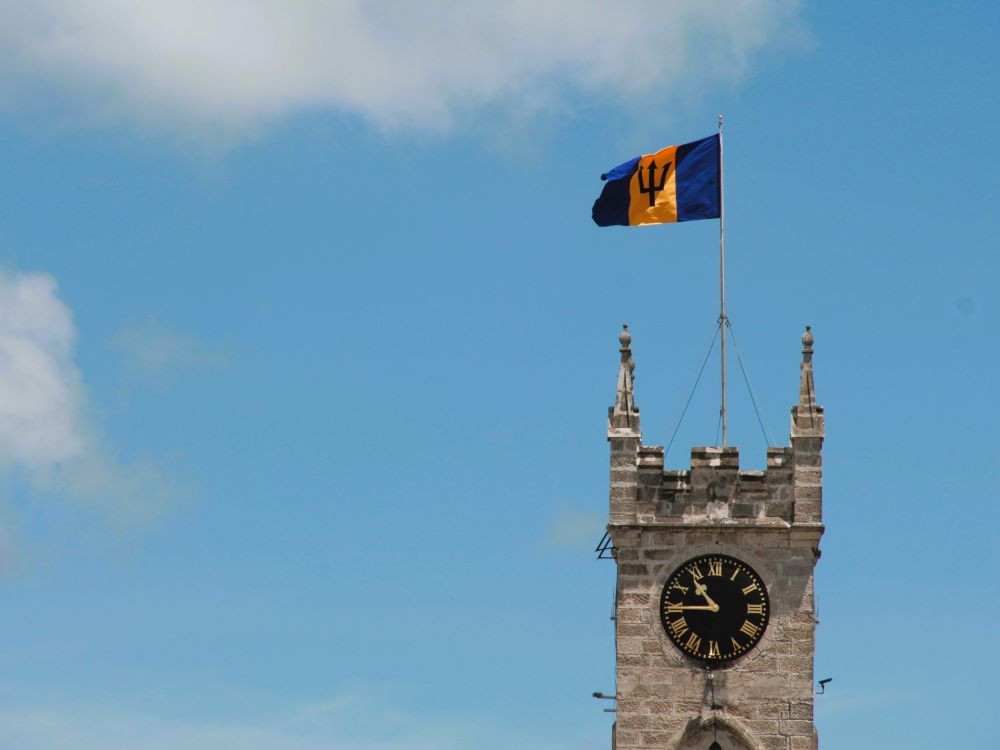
x: 713, y: 489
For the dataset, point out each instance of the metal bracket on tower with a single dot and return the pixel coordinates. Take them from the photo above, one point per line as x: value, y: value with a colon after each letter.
x: 710, y: 680
x: 605, y: 549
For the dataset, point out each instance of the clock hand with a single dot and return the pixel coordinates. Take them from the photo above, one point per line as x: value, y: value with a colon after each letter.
x: 702, y: 590
x: 712, y: 607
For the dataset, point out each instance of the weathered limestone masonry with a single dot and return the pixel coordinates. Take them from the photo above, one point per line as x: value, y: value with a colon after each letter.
x: 772, y: 520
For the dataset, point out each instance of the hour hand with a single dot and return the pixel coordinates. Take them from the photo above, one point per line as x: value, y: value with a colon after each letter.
x: 702, y: 590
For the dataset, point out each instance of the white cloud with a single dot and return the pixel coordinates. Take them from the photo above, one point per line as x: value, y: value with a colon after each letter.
x: 45, y: 430
x: 40, y: 387
x: 575, y: 528
x: 228, y: 66
x: 154, y: 349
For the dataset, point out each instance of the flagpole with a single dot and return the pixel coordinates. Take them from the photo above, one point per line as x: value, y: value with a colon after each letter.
x: 722, y: 282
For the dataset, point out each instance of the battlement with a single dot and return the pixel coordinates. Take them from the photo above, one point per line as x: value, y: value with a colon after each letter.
x: 713, y: 490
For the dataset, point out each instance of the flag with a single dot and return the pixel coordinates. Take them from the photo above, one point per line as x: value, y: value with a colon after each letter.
x: 678, y: 183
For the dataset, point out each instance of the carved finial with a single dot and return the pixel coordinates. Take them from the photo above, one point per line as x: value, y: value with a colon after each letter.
x: 807, y: 416
x: 625, y: 337
x: 625, y: 414
x: 806, y: 396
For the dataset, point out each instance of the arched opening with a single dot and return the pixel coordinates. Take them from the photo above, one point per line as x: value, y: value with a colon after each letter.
x: 714, y: 735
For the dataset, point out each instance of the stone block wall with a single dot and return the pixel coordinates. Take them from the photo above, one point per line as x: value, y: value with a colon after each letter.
x: 765, y: 698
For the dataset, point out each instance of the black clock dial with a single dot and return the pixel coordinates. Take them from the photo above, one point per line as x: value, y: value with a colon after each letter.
x: 714, y: 608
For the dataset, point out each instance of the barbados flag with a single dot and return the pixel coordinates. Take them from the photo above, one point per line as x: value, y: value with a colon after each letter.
x: 678, y: 183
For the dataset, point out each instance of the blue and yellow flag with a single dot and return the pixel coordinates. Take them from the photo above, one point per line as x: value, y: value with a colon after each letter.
x: 678, y: 183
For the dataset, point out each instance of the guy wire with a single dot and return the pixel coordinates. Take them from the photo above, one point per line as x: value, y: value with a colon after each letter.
x: 768, y: 437
x: 694, y: 386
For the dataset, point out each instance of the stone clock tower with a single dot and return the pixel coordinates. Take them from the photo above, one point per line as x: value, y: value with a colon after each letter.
x: 714, y: 610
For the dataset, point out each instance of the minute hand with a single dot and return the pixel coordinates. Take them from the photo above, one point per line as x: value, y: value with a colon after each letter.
x: 712, y: 607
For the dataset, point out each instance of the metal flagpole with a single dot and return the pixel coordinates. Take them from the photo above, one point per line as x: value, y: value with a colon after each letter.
x: 722, y: 281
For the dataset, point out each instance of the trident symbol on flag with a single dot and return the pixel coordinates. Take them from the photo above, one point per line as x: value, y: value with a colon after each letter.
x: 650, y: 188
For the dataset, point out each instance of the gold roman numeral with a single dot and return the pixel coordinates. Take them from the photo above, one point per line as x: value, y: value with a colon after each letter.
x: 693, y: 643
x: 713, y: 650
x: 696, y: 574
x: 679, y: 626
x: 736, y: 644
x: 679, y: 587
x: 671, y: 607
x: 749, y: 628
x: 751, y: 587
x: 755, y: 609
x: 715, y: 567
x: 736, y: 572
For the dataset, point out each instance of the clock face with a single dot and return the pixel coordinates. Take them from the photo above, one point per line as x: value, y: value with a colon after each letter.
x: 714, y: 608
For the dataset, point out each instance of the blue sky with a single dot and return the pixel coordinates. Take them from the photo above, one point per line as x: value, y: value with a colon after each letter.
x: 307, y: 341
